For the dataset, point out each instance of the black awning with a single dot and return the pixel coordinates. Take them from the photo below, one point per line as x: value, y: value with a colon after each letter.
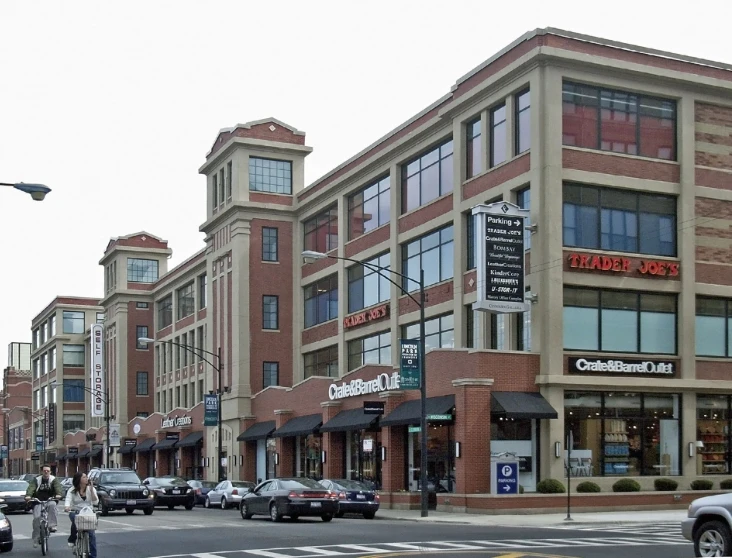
x: 190, y: 440
x: 521, y: 405
x: 299, y: 426
x: 410, y: 412
x: 83, y: 453
x: 145, y: 445
x: 95, y: 451
x: 61, y: 457
x: 125, y: 449
x: 257, y: 431
x: 165, y: 444
x: 352, y: 419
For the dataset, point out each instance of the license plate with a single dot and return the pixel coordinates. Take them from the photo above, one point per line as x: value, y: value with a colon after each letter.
x: 176, y: 491
x: 360, y: 496
x: 131, y: 502
x: 315, y: 504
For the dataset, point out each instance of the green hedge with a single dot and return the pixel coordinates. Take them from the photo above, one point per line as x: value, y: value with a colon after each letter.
x: 626, y: 485
x: 726, y: 484
x: 702, y: 484
x: 550, y: 486
x: 663, y: 485
x: 588, y: 486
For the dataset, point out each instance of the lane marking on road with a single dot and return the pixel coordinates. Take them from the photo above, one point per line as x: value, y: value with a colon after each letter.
x: 319, y: 551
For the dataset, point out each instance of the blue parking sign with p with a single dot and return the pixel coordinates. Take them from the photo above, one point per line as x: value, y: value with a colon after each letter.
x: 507, y: 478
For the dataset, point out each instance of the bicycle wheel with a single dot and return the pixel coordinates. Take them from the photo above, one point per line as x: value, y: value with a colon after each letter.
x: 43, y: 530
x: 85, y: 545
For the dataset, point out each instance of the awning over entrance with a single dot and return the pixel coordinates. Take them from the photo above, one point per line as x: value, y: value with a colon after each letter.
x: 61, y: 456
x: 145, y: 445
x: 165, y: 444
x: 521, y: 405
x: 191, y: 440
x: 83, y: 453
x: 257, y: 431
x: 410, y: 412
x: 352, y: 419
x: 95, y: 451
x: 299, y: 426
x: 125, y: 449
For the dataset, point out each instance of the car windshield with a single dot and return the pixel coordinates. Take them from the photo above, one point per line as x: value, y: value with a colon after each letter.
x: 242, y: 484
x: 120, y: 478
x: 351, y: 484
x: 176, y: 481
x: 13, y: 486
x: 292, y: 484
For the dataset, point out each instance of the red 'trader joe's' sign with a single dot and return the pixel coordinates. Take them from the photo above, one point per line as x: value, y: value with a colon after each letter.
x: 656, y: 268
x: 366, y: 316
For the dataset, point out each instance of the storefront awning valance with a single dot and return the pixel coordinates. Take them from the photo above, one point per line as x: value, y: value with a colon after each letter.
x: 521, y: 405
x: 146, y: 445
x: 61, y: 457
x: 352, y: 419
x: 410, y: 412
x: 83, y: 453
x: 165, y: 444
x: 191, y: 440
x: 299, y: 426
x: 257, y: 431
x: 125, y: 449
x: 95, y: 451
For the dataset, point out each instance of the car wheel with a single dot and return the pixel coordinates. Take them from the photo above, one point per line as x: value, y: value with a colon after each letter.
x: 340, y: 514
x: 713, y: 538
x: 369, y: 515
x: 326, y: 517
x: 224, y: 505
x: 130, y: 511
x: 170, y: 506
x: 294, y: 517
x: 189, y: 505
x: 149, y: 511
x: 244, y: 510
x: 7, y: 548
x: 105, y: 509
x: 274, y: 512
x: 207, y: 503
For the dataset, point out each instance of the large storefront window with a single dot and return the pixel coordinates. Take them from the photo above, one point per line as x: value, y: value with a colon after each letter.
x: 363, y: 457
x: 713, y: 431
x: 713, y: 327
x: 308, y: 457
x: 517, y: 436
x: 623, y: 434
x: 440, y: 458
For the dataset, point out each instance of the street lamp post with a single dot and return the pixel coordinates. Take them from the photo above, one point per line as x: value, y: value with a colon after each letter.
x: 37, y: 191
x: 219, y: 368
x: 106, y: 401
x: 310, y: 256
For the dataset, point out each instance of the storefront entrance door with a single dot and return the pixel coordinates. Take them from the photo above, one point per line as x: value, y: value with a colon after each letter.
x: 363, y: 457
x: 261, y: 460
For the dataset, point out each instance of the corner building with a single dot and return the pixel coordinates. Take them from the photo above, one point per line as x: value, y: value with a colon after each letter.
x: 623, y: 157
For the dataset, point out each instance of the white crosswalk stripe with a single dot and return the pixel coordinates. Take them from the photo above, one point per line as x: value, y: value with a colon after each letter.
x: 653, y: 529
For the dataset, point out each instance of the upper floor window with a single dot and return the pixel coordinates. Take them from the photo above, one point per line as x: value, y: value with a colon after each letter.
x: 165, y: 312
x: 215, y: 189
x: 321, y: 231
x: 499, y: 151
x: 427, y: 177
x: 52, y: 359
x: 202, y: 291
x: 433, y: 253
x: 369, y: 208
x: 44, y: 332
x: 375, y: 349
x: 141, y: 333
x: 321, y: 301
x: 229, y: 178
x: 522, y: 104
x: 270, y: 244
x: 142, y: 386
x: 271, y: 374
x: 73, y: 356
x: 713, y: 327
x: 619, y: 220
x: 619, y: 321
x: 74, y: 391
x: 270, y: 175
x: 186, y: 301
x: 270, y: 312
x: 439, y: 332
x: 142, y: 305
x: 322, y: 363
x: 73, y: 322
x: 101, y: 316
x: 222, y: 193
x: 618, y: 121
x: 142, y: 271
x: 473, y: 149
x: 365, y: 286
x: 470, y: 241
x: 36, y: 336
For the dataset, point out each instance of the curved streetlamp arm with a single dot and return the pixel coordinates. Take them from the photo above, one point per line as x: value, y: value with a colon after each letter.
x: 98, y: 394
x: 195, y: 350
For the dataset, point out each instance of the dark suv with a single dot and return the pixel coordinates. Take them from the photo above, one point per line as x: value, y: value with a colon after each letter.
x: 121, y: 489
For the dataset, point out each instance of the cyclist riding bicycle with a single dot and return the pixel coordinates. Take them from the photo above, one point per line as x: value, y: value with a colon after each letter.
x: 44, y: 487
x: 82, y: 494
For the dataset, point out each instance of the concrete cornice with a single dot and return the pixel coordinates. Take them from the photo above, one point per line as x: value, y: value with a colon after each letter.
x: 255, y: 145
x: 462, y: 382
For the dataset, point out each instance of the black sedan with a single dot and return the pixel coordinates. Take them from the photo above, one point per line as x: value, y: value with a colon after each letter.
x: 171, y: 492
x: 353, y: 497
x: 201, y: 488
x: 6, y: 531
x: 12, y: 494
x: 294, y: 497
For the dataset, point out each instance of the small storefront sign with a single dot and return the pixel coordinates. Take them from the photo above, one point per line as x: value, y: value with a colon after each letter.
x: 409, y: 369
x: 3, y: 452
x: 614, y: 264
x: 373, y: 407
x: 580, y: 365
x: 51, y: 423
x: 368, y: 445
x: 439, y: 417
x: 39, y: 443
x: 383, y: 382
x: 366, y: 316
x: 507, y: 481
x: 211, y: 410
x: 173, y: 422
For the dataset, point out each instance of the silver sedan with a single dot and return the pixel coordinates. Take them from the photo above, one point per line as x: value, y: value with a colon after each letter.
x: 227, y: 493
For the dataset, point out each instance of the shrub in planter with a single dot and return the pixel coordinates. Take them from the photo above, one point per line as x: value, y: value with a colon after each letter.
x: 521, y: 489
x: 588, y: 486
x: 550, y: 486
x: 665, y: 485
x: 726, y: 484
x: 626, y: 485
x: 702, y: 484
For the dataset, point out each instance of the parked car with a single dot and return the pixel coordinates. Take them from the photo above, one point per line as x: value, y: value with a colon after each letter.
x: 227, y: 493
x: 289, y: 496
x: 709, y: 525
x: 66, y: 483
x: 200, y: 489
x: 353, y: 497
x: 6, y: 531
x: 121, y: 489
x: 171, y: 492
x: 12, y: 494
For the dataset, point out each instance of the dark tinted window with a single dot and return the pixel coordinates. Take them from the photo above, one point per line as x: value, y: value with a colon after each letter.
x: 346, y: 484
x: 298, y: 484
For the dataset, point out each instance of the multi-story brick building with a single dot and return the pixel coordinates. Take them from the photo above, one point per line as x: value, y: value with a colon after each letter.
x: 17, y: 416
x: 622, y: 156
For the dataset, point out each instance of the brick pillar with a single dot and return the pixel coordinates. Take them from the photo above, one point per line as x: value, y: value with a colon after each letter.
x: 161, y: 456
x: 332, y: 443
x: 248, y: 451
x: 392, y: 439
x: 473, y: 431
x: 285, y: 446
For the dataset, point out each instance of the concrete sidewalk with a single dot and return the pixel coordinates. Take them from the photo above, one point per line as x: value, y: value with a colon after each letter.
x: 538, y: 520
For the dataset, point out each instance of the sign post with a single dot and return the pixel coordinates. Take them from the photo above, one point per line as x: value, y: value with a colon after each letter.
x: 409, y: 369
x: 500, y: 232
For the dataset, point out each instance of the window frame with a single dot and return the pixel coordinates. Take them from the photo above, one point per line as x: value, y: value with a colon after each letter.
x: 442, y: 189
x: 74, y: 391
x: 267, y: 374
x: 383, y: 192
x: 471, y: 162
x: 312, y: 291
x: 141, y: 345
x: 67, y: 363
x: 186, y: 300
x: 269, y: 187
x: 411, y: 284
x: 440, y: 331
x: 492, y: 126
x: 327, y: 221
x: 165, y: 310
x: 270, y: 253
x: 379, y: 337
x: 727, y: 318
x: 366, y: 273
x: 517, y: 120
x: 73, y: 316
x: 328, y: 361
x: 267, y: 313
x: 144, y: 275
x: 142, y: 375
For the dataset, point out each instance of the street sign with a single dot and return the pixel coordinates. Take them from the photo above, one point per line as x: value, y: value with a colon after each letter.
x: 507, y: 478
x: 410, y: 370
x: 499, y: 237
x: 114, y: 435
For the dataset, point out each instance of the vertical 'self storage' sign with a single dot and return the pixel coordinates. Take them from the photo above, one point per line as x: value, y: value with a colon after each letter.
x: 97, y: 371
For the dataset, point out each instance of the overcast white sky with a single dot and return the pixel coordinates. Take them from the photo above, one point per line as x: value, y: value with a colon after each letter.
x: 115, y: 104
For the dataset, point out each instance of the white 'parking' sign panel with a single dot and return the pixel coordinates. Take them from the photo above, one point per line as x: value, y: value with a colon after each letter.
x: 507, y: 481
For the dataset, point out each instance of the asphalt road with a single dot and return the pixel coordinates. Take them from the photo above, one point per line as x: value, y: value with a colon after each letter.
x: 203, y: 533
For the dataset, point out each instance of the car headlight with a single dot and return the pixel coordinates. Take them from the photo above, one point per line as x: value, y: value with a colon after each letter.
x: 188, y: 491
x: 145, y: 492
x: 4, y: 523
x: 112, y: 493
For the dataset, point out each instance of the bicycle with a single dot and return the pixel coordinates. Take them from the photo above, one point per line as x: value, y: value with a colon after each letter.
x: 85, y: 523
x: 44, y: 531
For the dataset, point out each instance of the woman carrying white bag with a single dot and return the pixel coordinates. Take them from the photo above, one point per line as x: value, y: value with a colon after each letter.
x: 81, y: 495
